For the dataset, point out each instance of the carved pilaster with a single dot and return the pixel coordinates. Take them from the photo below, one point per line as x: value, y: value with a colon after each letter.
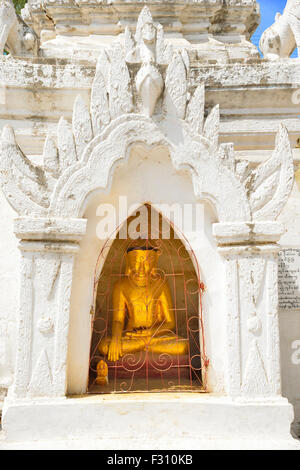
x: 250, y: 255
x: 25, y: 326
x: 47, y: 257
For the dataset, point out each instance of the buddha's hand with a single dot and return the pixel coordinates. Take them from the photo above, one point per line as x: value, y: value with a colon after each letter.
x: 115, y: 350
x: 139, y: 333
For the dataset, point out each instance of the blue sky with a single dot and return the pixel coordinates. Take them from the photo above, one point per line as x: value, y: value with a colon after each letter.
x: 268, y: 10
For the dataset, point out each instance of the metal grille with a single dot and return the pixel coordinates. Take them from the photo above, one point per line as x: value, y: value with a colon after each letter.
x: 145, y: 370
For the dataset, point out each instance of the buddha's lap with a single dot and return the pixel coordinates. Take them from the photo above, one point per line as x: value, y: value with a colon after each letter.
x: 132, y: 344
x: 145, y: 339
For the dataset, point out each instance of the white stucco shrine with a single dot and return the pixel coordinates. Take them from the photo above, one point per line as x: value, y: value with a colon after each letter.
x: 164, y: 103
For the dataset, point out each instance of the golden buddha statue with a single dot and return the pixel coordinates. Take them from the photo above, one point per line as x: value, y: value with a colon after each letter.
x: 144, y: 299
x: 102, y: 373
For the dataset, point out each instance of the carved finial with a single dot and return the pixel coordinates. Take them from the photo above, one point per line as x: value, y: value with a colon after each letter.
x: 195, y: 110
x: 176, y: 87
x: 99, y: 106
x: 147, y: 33
x: 145, y: 18
x: 212, y: 126
x: 66, y: 144
x: 144, y: 50
x: 81, y: 125
x: 270, y: 184
x: 50, y: 157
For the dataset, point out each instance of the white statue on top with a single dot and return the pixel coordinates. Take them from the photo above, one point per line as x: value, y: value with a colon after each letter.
x: 15, y: 35
x: 280, y: 39
x: 147, y: 48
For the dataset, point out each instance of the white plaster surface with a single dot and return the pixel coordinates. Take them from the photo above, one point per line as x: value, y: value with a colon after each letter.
x: 161, y: 186
x: 147, y: 420
x: 9, y: 284
x: 157, y: 148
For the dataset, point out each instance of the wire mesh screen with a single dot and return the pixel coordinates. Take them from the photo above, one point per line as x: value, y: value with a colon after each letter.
x: 147, y: 322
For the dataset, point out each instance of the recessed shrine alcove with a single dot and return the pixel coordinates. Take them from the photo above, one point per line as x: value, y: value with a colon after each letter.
x: 101, y: 317
x: 186, y: 258
x: 168, y: 360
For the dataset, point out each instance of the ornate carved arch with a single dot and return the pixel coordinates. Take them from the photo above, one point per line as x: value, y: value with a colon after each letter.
x: 113, y: 145
x: 154, y: 108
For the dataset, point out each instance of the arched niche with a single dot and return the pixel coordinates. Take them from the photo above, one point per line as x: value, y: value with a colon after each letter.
x: 153, y: 367
x: 147, y: 175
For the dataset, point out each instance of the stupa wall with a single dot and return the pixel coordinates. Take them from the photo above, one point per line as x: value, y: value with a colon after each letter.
x: 151, y: 132
x: 34, y: 94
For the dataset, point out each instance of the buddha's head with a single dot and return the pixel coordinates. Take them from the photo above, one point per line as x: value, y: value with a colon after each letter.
x: 141, y: 263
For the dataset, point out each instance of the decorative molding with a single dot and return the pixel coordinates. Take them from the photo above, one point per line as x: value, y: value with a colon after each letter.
x: 45, y: 325
x: 235, y: 233
x: 99, y: 107
x: 211, y: 127
x: 272, y: 327
x: 238, y: 193
x: 255, y: 381
x: 60, y: 229
x: 252, y: 271
x: 103, y: 134
x: 225, y: 17
x: 195, y: 110
x: 120, y: 93
x: 61, y: 325
x: 176, y: 87
x: 269, y: 185
x: 233, y: 328
x: 53, y: 267
x: 24, y: 350
x: 81, y: 125
x: 41, y: 380
x: 257, y: 275
x: 66, y: 144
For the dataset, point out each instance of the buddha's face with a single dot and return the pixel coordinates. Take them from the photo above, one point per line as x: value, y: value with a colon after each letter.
x: 141, y: 264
